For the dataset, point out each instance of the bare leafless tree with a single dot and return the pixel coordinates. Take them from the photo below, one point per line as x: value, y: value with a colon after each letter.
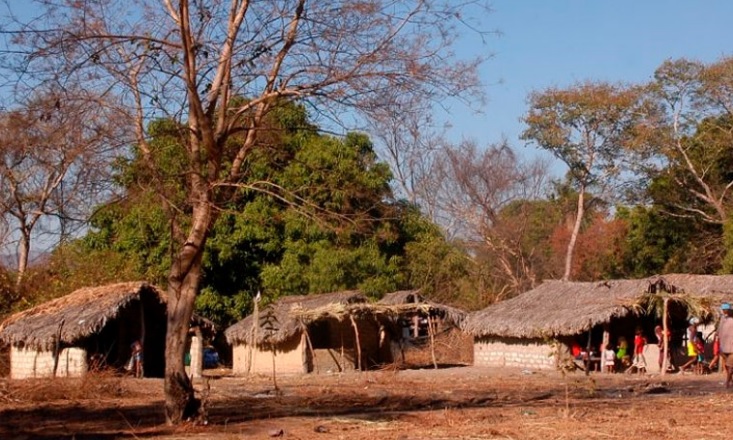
x: 476, y: 187
x: 219, y: 67
x: 54, y: 161
x: 409, y: 142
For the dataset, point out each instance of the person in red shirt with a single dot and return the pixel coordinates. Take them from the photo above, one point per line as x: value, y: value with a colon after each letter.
x: 639, y: 344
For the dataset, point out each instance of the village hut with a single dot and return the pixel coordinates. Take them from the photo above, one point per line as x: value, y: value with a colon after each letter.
x: 328, y: 332
x: 537, y: 329
x: 424, y: 332
x: 90, y: 328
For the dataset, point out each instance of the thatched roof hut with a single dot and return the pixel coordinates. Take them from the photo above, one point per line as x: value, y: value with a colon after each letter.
x: 563, y: 308
x: 74, y: 316
x: 285, y: 317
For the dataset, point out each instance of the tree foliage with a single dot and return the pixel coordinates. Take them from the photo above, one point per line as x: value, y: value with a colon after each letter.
x: 264, y: 243
x: 691, y: 157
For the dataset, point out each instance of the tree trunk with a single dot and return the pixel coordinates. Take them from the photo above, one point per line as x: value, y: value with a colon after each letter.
x: 574, y: 235
x: 183, y: 285
x: 24, y: 249
x: 180, y: 403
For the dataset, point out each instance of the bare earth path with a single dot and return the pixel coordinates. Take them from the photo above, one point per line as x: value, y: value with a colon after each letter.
x: 455, y: 403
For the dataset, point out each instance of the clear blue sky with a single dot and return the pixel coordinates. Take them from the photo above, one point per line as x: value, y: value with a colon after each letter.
x: 559, y: 42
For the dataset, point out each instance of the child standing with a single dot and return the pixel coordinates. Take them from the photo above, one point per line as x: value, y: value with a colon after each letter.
x: 639, y: 344
x: 137, y: 359
x: 610, y: 359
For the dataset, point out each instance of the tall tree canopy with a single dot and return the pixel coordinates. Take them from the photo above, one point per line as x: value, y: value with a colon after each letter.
x: 586, y: 126
x: 692, y: 151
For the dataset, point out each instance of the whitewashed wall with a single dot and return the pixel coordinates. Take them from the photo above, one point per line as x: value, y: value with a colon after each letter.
x: 498, y: 352
x: 28, y: 363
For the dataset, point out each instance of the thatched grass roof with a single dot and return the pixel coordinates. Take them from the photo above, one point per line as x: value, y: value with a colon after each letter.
x: 563, y: 308
x: 77, y: 315
x: 289, y: 315
x: 402, y: 297
x: 410, y: 300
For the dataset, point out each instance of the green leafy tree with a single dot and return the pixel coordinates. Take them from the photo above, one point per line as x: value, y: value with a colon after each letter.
x: 690, y: 158
x: 658, y: 243
x: 263, y: 242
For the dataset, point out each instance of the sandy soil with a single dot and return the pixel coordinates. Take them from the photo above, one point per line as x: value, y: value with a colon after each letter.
x: 454, y: 403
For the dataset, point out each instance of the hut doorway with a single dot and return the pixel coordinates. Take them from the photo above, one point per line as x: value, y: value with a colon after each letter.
x: 140, y: 320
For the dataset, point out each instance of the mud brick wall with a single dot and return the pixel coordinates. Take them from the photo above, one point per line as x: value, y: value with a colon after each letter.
x: 28, y: 363
x: 289, y: 358
x: 517, y: 353
x: 333, y: 360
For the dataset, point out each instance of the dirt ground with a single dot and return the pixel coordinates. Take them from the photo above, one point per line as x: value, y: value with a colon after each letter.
x: 455, y: 403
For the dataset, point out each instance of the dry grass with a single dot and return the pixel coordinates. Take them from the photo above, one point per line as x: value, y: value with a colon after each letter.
x: 457, y: 403
x: 94, y: 386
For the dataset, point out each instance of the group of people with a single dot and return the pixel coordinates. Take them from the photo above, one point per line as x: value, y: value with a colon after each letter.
x: 722, y: 346
x: 620, y: 359
x: 612, y: 360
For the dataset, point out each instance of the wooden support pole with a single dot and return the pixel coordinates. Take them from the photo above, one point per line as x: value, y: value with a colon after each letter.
x: 665, y: 333
x: 253, y: 334
x: 310, y: 347
x: 57, y: 348
x: 432, y: 341
x: 196, y: 354
x: 358, y: 343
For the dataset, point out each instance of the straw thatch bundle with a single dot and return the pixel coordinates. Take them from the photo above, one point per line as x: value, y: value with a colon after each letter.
x: 74, y: 316
x: 411, y: 301
x: 282, y: 319
x: 563, y: 308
